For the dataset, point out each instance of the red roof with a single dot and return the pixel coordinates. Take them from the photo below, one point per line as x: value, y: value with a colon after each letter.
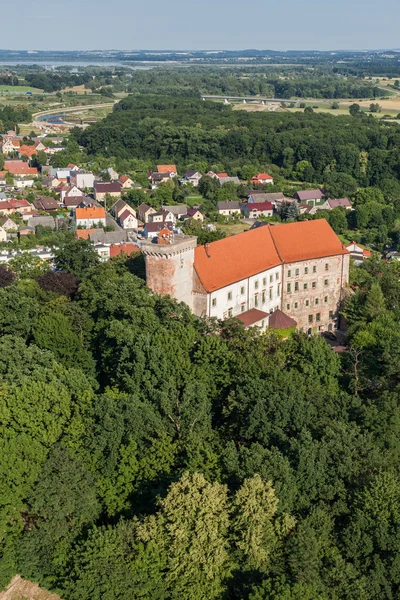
x: 252, y: 316
x: 19, y: 167
x: 90, y: 212
x: 14, y: 204
x: 238, y: 257
x: 222, y: 175
x: 306, y: 240
x: 261, y: 176
x: 234, y: 258
x: 83, y: 234
x: 166, y: 169
x: 28, y: 150
x: 260, y: 206
x: 127, y: 213
x: 126, y: 248
x: 278, y: 320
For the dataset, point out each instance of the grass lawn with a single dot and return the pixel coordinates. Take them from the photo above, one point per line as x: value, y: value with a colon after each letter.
x: 19, y: 89
x: 194, y: 199
x: 233, y: 228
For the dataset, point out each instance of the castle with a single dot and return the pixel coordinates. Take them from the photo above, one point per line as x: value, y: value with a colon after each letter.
x: 298, y: 269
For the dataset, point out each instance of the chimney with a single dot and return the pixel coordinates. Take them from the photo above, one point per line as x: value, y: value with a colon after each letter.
x: 207, y: 249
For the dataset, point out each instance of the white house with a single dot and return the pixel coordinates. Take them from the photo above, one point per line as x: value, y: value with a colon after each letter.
x: 82, y: 179
x: 229, y: 208
x: 127, y: 220
x: 90, y: 216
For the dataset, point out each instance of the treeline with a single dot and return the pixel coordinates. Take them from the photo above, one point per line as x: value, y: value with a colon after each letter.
x: 54, y: 82
x: 309, y: 145
x: 145, y: 453
x: 10, y: 117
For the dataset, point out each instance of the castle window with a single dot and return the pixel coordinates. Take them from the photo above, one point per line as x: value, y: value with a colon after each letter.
x: 230, y: 312
x: 326, y: 282
x: 296, y: 304
x: 276, y: 276
x: 214, y: 302
x: 264, y: 281
x: 242, y: 308
x: 279, y: 289
x: 306, y: 270
x: 296, y: 286
x: 326, y: 266
x: 242, y: 290
x: 255, y: 299
x: 289, y: 289
x: 316, y: 301
x: 297, y: 271
x: 271, y: 278
x: 331, y: 314
x: 289, y: 273
x: 270, y: 293
x: 307, y: 303
x: 310, y: 318
x: 314, y: 284
x: 314, y: 269
x: 305, y: 286
x: 318, y: 317
x: 287, y: 306
x: 229, y: 295
x: 263, y: 297
x: 326, y: 299
x: 256, y: 285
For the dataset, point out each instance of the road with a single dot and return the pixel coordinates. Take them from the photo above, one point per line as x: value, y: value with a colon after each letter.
x: 60, y: 110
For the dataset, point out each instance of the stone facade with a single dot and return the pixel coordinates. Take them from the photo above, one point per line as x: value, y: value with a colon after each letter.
x: 311, y: 291
x: 170, y: 267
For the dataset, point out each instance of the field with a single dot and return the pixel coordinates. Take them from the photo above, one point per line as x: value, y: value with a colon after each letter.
x: 19, y: 89
x: 19, y: 589
x: 231, y: 229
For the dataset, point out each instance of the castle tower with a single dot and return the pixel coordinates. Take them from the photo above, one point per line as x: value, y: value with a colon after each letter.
x: 169, y: 263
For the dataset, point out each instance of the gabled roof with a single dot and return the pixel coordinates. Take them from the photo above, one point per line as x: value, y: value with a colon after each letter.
x: 306, y: 240
x: 232, y: 259
x: 27, y: 150
x: 252, y: 316
x: 177, y: 209
x: 156, y: 227
x: 166, y: 169
x: 46, y: 204
x: 19, y: 167
x: 261, y: 176
x: 90, y: 212
x: 126, y: 214
x: 126, y: 248
x: 261, y: 196
x: 260, y: 206
x: 335, y: 202
x: 304, y: 195
x: 228, y: 205
x: 279, y: 320
x: 144, y: 208
x: 192, y: 211
x: 106, y: 187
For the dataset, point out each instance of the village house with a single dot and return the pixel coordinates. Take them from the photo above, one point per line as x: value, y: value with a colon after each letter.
x: 72, y: 202
x: 10, y: 144
x: 255, y: 210
x: 224, y: 178
x: 144, y: 212
x: 50, y: 182
x: 297, y: 268
x: 339, y: 202
x: 229, y: 208
x: 20, y: 168
x: 357, y: 252
x: 43, y: 221
x: 311, y: 197
x: 125, y: 182
x: 3, y: 234
x: 179, y: 210
x: 81, y: 179
x: 161, y: 216
x: 276, y: 198
x: 46, y: 204
x: 170, y: 169
x: 69, y: 191
x: 192, y: 177
x: 8, y: 224
x: 105, y: 188
x: 262, y: 179
x: 128, y: 220
x: 28, y: 151
x: 90, y: 216
x: 3, y: 175
x: 195, y: 214
x: 9, y: 207
x: 73, y: 168
x: 157, y: 178
x: 112, y: 174
x: 151, y: 230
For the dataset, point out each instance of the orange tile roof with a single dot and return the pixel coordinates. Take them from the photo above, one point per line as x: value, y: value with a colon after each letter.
x: 262, y: 176
x: 166, y: 169
x: 241, y: 256
x: 90, y: 212
x: 83, y: 234
x: 28, y: 150
x: 234, y: 258
x: 19, y: 167
x: 306, y: 240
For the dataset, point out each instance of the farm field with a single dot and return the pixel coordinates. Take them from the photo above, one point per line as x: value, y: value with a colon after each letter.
x: 19, y: 89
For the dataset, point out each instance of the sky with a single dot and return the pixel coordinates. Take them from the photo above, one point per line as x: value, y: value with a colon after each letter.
x: 200, y: 24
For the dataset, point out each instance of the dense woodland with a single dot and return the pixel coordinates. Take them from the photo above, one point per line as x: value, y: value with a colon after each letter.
x: 146, y: 453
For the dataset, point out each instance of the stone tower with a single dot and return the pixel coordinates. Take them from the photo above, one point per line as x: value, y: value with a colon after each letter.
x: 169, y: 263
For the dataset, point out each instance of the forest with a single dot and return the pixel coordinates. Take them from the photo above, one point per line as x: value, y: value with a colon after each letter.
x: 147, y: 453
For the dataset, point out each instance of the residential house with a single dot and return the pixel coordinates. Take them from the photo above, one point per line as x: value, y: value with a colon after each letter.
x: 298, y: 268
x: 105, y: 188
x: 157, y: 178
x: 63, y: 174
x: 70, y: 191
x: 42, y: 221
x: 82, y: 179
x: 170, y: 169
x: 8, y: 224
x: 276, y: 198
x: 73, y: 168
x: 192, y: 177
x: 25, y: 181
x: 161, y: 216
x: 151, y: 230
x: 10, y: 144
x: 47, y: 204
x: 229, y: 208
x: 262, y: 179
x: 128, y: 220
x: 9, y: 207
x: 113, y: 174
x: 50, y: 182
x: 28, y: 151
x: 340, y: 202
x: 179, y: 210
x: 3, y: 234
x: 256, y: 210
x: 20, y: 168
x: 125, y: 182
x: 195, y: 214
x: 357, y: 252
x: 72, y: 202
x: 312, y: 197
x: 90, y: 216
x: 3, y: 176
x: 39, y: 146
x: 119, y: 207
x: 224, y: 178
x: 144, y: 211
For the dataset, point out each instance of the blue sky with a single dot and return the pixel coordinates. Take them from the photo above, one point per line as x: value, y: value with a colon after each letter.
x: 200, y: 24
